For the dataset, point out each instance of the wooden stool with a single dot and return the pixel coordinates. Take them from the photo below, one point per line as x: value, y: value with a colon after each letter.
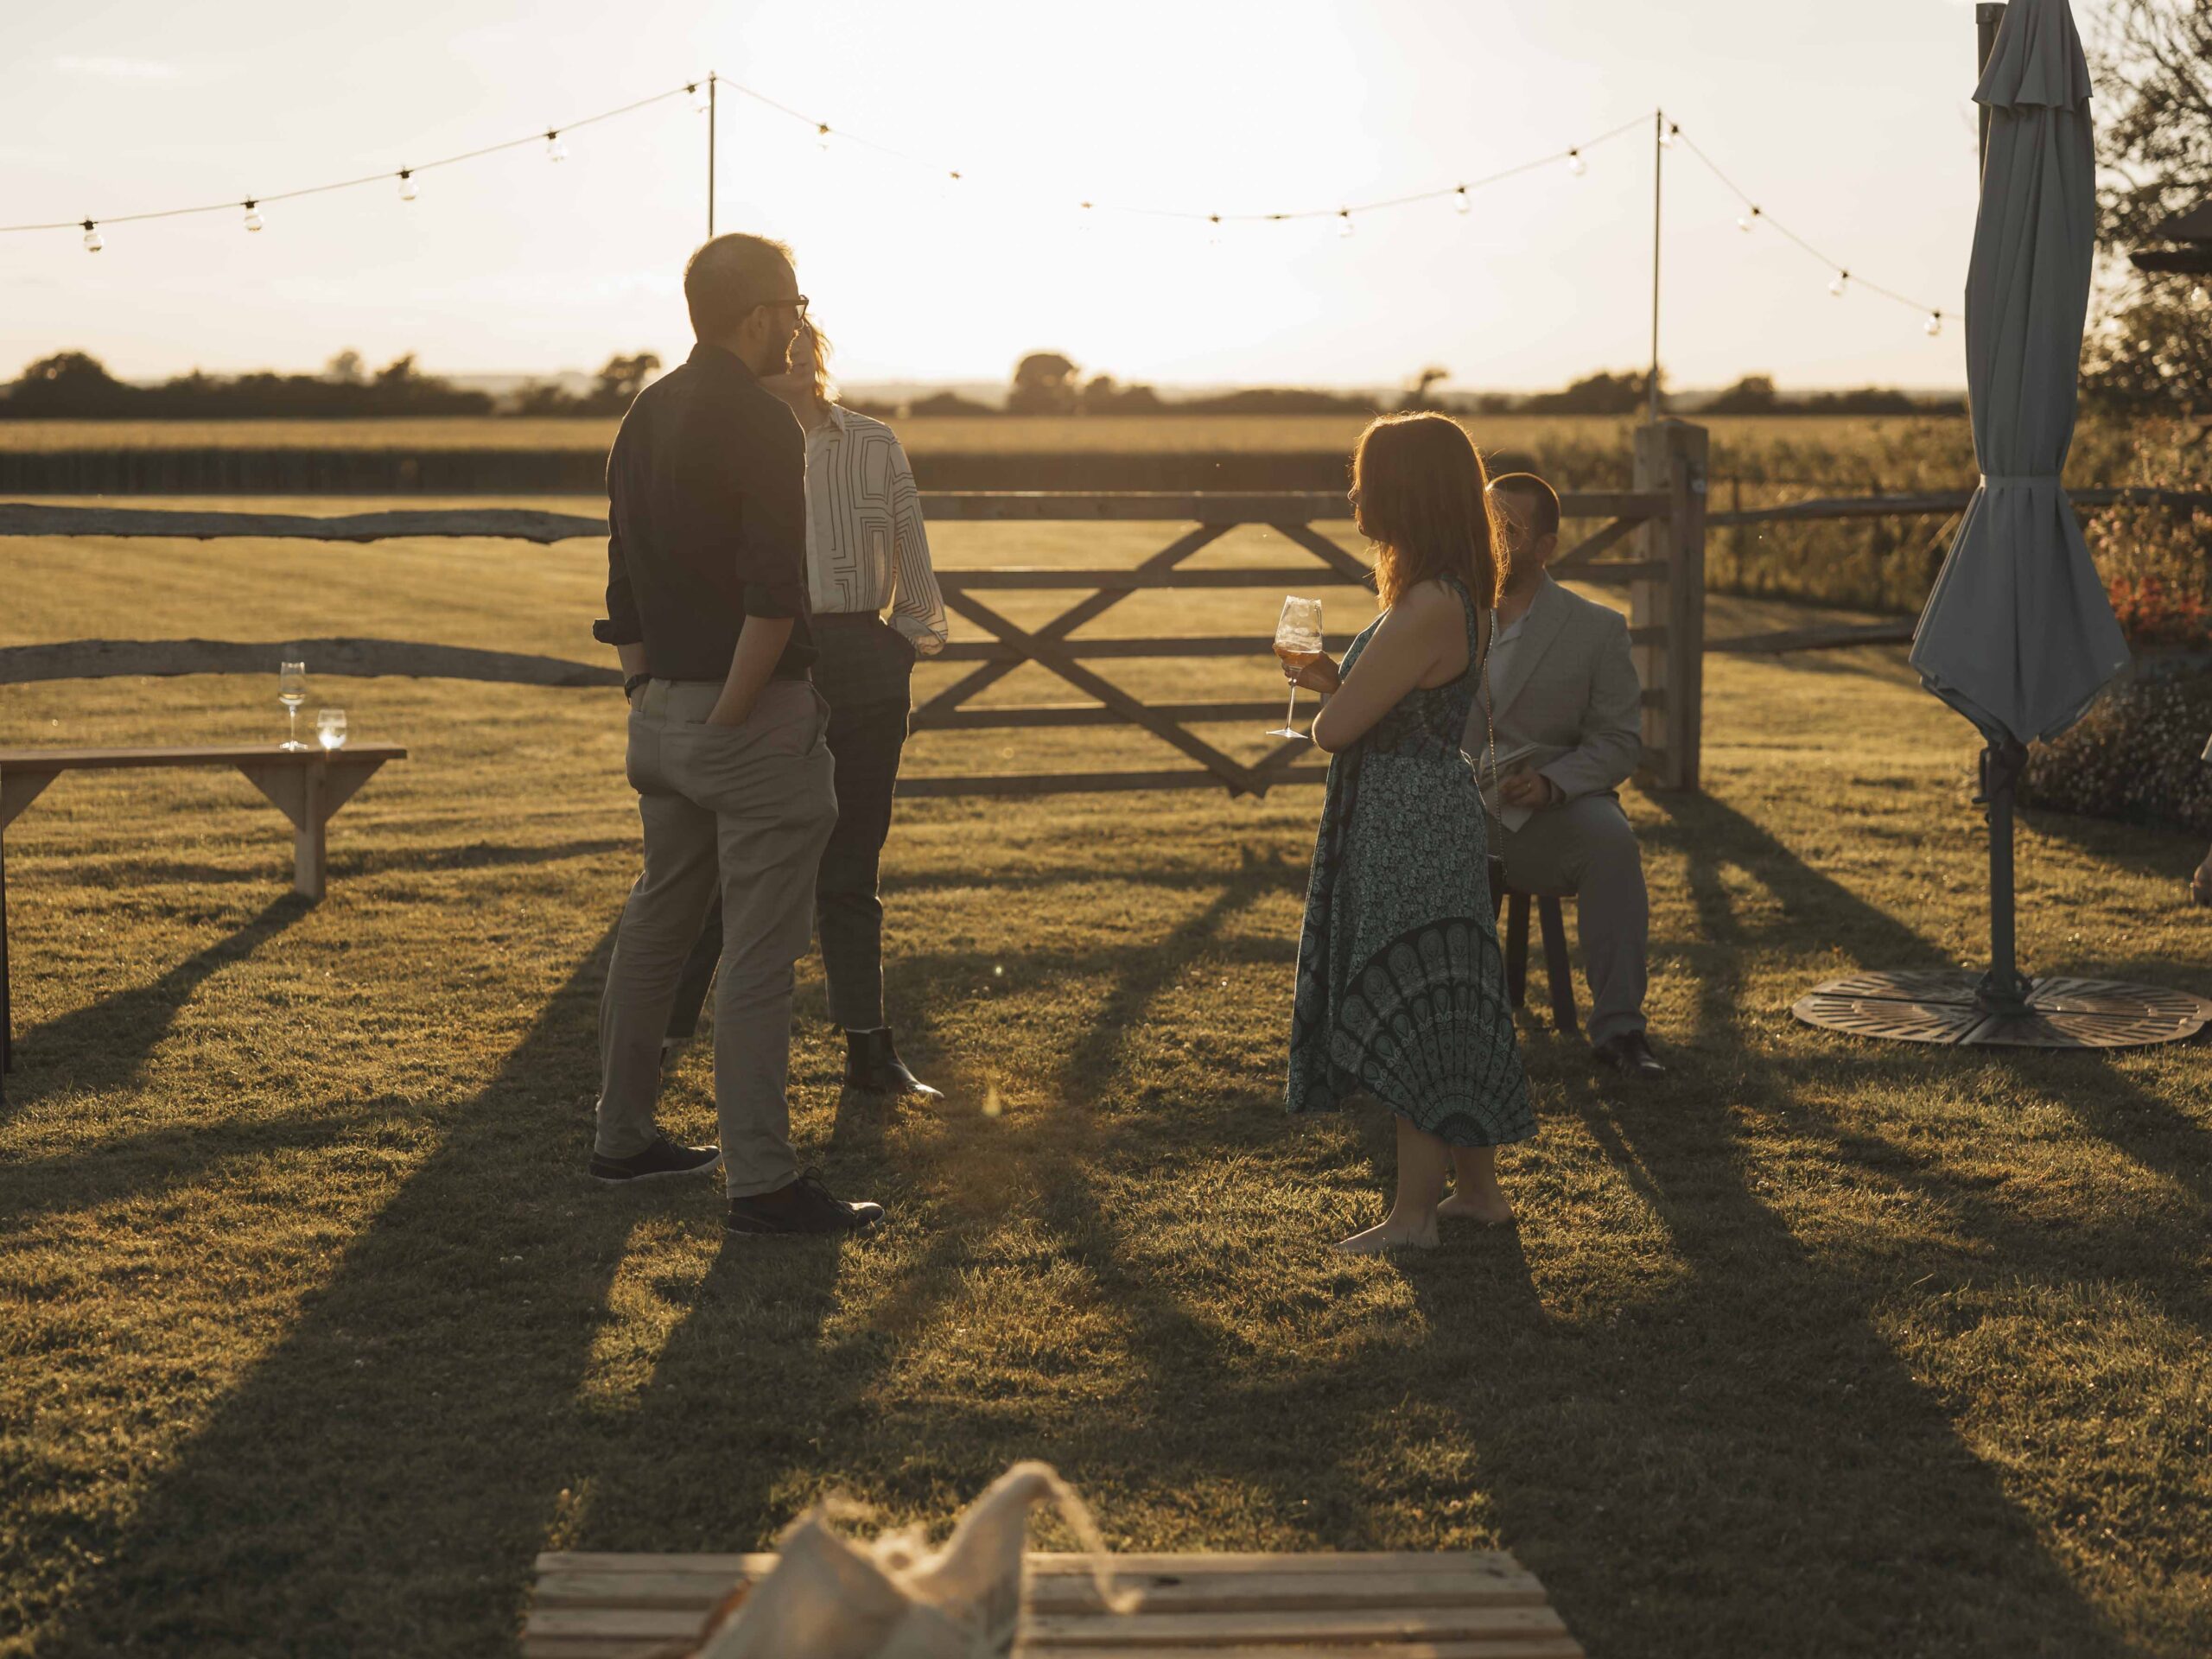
x: 1556, y: 972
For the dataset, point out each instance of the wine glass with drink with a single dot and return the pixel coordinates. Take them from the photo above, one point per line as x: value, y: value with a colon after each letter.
x: 292, y: 691
x: 1298, y: 642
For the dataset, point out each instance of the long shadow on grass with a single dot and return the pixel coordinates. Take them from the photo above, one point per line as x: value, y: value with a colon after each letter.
x: 747, y: 1373
x: 105, y: 1043
x: 1775, y: 1479
x: 408, y: 859
x: 381, y: 1478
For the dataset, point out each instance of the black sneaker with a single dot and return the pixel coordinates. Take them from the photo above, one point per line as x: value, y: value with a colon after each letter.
x: 803, y: 1207
x: 662, y: 1159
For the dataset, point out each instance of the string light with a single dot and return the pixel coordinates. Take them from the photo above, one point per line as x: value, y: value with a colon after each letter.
x: 821, y: 136
x: 701, y: 95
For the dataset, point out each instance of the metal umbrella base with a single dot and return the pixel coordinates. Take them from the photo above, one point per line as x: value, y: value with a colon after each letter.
x: 1948, y: 1005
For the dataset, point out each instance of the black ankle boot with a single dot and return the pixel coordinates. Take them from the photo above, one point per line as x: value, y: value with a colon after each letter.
x: 873, y: 1066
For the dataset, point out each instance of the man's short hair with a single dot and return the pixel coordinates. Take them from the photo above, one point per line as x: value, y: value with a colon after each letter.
x: 1542, y: 498
x: 729, y: 277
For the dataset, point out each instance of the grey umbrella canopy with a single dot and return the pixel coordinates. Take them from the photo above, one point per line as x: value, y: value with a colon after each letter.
x: 2018, y: 635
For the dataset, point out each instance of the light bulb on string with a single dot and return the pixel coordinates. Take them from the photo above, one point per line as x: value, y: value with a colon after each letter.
x: 93, y: 243
x: 252, y: 216
x: 1934, y: 326
x: 1745, y: 221
x: 1344, y: 222
x: 555, y: 149
x: 700, y: 98
x: 1462, y: 203
x: 1667, y: 135
x: 1213, y: 230
x: 1575, y: 164
x: 408, y: 188
x: 821, y: 136
x: 1836, y: 284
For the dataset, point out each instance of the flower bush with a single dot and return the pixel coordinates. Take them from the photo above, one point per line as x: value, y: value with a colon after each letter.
x: 2136, y: 757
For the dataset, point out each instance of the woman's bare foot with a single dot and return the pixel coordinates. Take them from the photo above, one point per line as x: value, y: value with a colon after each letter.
x: 1393, y: 1234
x: 2200, y: 884
x: 1489, y: 1208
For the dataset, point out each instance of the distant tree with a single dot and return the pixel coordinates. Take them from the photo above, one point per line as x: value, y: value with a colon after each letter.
x: 1277, y: 400
x: 398, y: 372
x: 1417, y: 398
x: 346, y: 368
x: 620, y: 381
x: 69, y: 385
x: 1753, y: 395
x: 2152, y: 344
x: 1103, y: 395
x: 1597, y: 394
x: 1044, y: 384
x: 948, y: 403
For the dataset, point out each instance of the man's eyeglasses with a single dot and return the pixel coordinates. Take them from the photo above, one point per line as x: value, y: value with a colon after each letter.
x: 798, y: 302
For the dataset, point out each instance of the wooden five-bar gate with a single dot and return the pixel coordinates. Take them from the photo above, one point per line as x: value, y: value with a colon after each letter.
x: 1659, y: 525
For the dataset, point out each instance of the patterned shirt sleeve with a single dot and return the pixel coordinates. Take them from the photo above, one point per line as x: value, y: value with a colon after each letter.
x: 918, y: 608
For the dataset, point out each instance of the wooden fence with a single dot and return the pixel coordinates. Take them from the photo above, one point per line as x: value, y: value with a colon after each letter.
x: 1649, y: 540
x: 1664, y: 578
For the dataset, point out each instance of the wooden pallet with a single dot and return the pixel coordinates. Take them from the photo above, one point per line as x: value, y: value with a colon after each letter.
x: 1478, y: 1605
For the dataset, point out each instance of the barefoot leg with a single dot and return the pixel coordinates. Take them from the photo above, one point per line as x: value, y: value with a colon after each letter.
x: 1423, y: 1161
x: 1476, y: 1194
x: 2200, y: 887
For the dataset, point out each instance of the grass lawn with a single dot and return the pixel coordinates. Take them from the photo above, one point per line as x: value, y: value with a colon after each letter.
x: 315, y: 1331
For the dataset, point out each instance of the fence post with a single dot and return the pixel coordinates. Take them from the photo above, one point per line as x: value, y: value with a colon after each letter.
x: 1670, y: 457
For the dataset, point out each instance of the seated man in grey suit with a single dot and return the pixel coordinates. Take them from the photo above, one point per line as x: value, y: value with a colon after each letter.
x: 1565, y: 705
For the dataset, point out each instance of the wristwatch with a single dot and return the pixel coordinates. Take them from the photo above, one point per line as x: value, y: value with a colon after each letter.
x: 630, y: 686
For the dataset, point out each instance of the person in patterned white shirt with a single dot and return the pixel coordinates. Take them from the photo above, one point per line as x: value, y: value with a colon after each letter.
x: 867, y: 552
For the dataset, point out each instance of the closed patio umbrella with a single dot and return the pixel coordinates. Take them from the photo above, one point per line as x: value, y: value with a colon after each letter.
x: 2018, y: 634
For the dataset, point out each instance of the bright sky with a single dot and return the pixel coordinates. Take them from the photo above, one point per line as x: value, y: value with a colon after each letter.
x: 1849, y: 122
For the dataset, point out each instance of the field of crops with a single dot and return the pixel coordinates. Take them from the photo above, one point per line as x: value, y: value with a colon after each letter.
x: 954, y: 434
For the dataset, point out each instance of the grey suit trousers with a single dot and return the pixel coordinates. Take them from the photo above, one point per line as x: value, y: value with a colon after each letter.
x: 742, y: 811
x: 1587, y: 848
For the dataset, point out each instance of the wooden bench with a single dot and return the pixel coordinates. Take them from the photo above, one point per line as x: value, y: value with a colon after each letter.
x: 307, y: 785
x: 1470, y: 1605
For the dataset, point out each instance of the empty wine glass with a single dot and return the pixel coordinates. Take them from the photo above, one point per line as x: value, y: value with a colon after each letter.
x: 1298, y: 642
x: 292, y: 691
x: 330, y: 728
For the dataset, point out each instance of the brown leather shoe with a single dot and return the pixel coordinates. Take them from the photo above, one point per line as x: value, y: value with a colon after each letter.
x: 803, y: 1209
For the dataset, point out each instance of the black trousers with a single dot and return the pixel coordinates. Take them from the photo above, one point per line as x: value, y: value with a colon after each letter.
x: 866, y: 739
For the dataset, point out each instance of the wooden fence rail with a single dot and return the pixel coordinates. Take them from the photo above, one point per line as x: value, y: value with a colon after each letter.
x: 1665, y: 632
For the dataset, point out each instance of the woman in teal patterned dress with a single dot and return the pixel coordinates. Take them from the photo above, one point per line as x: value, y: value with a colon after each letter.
x: 1400, y: 993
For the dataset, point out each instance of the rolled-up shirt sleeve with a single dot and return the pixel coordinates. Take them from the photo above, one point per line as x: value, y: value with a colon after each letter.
x: 771, y: 548
x: 918, y: 607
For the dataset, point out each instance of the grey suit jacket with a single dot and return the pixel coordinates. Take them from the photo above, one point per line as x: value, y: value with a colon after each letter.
x: 1570, y: 688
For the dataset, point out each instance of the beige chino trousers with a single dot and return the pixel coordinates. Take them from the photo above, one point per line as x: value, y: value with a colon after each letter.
x: 744, y: 812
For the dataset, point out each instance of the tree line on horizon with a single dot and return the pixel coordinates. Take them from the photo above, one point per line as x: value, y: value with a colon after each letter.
x: 75, y: 386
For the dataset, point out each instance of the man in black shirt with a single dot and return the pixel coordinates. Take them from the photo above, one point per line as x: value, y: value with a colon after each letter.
x: 706, y: 603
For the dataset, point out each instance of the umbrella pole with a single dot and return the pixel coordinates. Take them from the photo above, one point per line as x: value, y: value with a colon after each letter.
x: 2004, y: 990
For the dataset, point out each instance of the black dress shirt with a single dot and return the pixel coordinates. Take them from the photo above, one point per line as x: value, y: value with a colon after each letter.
x: 706, y: 520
